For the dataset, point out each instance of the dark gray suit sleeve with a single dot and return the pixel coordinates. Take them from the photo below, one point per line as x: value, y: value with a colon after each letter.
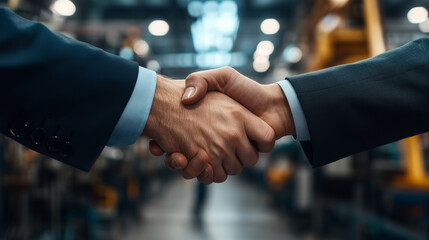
x: 355, y: 107
x: 58, y: 96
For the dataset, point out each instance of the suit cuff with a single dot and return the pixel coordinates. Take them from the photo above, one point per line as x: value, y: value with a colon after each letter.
x: 135, y: 115
x: 301, y: 127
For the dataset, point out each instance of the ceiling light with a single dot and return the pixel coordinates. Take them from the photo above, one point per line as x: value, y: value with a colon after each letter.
x: 211, y: 7
x: 292, y: 54
x: 64, y: 8
x: 261, y: 64
x: 195, y: 8
x: 270, y: 26
x: 339, y: 3
x: 264, y: 48
x: 153, y: 65
x: 417, y: 15
x: 229, y: 7
x: 329, y: 22
x: 141, y: 48
x: 159, y: 28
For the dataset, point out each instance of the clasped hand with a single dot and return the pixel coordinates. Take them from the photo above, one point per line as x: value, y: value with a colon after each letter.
x: 215, y: 122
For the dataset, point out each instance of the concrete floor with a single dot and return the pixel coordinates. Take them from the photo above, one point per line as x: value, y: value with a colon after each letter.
x: 234, y: 210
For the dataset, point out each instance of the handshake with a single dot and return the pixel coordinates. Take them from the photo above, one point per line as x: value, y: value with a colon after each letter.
x: 210, y: 135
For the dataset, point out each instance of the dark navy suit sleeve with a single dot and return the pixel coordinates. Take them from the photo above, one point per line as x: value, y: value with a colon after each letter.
x: 59, y: 96
x: 354, y: 107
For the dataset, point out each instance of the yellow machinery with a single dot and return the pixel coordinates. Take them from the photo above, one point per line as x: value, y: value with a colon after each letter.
x: 337, y: 44
x: 415, y: 176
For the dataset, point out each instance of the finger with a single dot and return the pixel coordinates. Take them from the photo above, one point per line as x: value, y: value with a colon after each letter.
x: 155, y: 149
x: 206, y: 176
x: 176, y: 161
x: 247, y: 153
x: 260, y: 132
x: 198, y: 83
x: 196, y: 165
x: 232, y: 165
x: 219, y: 174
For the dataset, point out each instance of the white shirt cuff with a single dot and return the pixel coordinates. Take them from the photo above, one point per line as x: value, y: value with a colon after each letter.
x: 135, y: 115
x: 301, y: 127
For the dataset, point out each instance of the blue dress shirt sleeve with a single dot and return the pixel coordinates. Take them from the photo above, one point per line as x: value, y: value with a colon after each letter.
x: 135, y: 115
x: 301, y: 127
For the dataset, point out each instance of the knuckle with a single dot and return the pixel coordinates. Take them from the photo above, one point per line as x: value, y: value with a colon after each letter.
x: 204, y: 156
x: 233, y: 135
x: 236, y: 112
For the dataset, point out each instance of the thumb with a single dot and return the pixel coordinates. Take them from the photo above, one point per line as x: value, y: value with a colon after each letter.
x: 198, y: 83
x: 228, y: 81
x: 196, y: 88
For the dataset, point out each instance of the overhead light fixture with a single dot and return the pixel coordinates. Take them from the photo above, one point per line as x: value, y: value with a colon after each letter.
x: 292, y: 54
x: 261, y: 64
x: 195, y: 8
x: 159, y: 28
x: 153, y: 65
x: 270, y: 26
x: 264, y: 48
x: 211, y: 7
x: 64, y: 8
x: 214, y: 32
x: 228, y: 7
x: 417, y: 15
x: 141, y: 48
x: 329, y: 22
x: 339, y: 3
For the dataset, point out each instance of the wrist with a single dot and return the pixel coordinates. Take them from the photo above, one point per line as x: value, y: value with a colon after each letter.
x: 281, y: 109
x: 163, y: 107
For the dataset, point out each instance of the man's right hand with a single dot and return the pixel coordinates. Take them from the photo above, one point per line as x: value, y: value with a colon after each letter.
x: 265, y: 101
x: 217, y: 130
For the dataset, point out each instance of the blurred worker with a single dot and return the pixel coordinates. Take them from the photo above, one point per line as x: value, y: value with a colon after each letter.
x: 67, y: 100
x: 338, y: 111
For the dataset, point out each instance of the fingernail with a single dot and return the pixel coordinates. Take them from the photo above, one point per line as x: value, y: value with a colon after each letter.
x: 189, y: 92
x: 205, y: 173
x: 198, y: 165
x: 174, y: 165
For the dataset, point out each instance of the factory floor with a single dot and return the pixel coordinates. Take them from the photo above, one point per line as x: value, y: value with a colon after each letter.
x: 234, y: 210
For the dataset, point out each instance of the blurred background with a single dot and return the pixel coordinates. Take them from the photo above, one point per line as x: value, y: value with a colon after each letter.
x: 129, y: 194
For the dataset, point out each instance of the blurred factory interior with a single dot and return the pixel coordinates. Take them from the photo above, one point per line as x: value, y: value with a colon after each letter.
x: 129, y: 194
